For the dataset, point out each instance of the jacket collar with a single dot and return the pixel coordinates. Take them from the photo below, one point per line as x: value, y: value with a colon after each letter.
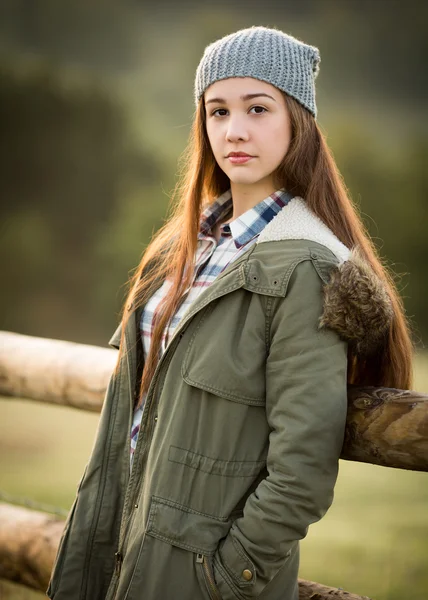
x: 296, y: 221
x: 247, y: 225
x: 356, y: 303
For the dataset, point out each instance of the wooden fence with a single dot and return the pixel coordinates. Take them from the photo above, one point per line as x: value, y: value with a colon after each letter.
x: 385, y: 426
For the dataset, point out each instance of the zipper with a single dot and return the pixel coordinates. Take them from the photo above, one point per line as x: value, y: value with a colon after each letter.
x: 118, y: 556
x: 126, y: 519
x: 209, y: 577
x: 98, y: 501
x: 118, y: 563
x: 142, y: 441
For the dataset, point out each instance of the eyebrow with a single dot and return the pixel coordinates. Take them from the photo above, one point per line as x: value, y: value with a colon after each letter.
x: 245, y: 97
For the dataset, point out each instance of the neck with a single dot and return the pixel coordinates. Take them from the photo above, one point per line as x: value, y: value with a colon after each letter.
x: 245, y: 196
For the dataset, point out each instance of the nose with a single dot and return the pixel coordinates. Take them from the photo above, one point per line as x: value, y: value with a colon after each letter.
x: 236, y: 129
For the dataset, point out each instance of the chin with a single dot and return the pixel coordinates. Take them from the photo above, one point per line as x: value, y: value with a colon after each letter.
x: 243, y: 178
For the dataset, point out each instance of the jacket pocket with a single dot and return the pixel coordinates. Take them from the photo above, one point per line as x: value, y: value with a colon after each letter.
x: 198, y: 533
x: 206, y: 577
x: 170, y: 562
x: 185, y: 527
x: 226, y: 353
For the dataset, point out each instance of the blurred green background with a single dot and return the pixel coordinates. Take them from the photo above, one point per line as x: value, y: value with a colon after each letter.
x: 96, y: 101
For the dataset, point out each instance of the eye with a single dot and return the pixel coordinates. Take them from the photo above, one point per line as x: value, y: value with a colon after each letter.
x: 262, y: 107
x: 215, y: 111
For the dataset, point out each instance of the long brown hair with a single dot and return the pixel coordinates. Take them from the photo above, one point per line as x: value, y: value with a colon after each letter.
x: 307, y: 170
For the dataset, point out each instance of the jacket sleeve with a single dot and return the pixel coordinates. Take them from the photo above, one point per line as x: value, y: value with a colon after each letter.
x: 306, y: 406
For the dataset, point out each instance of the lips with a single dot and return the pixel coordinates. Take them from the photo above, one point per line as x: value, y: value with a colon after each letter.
x: 239, y: 159
x: 232, y: 154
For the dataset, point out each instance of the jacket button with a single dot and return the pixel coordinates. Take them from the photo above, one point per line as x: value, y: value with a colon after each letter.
x: 247, y: 574
x: 156, y: 418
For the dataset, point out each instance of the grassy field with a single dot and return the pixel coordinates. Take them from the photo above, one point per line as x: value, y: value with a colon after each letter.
x: 373, y: 540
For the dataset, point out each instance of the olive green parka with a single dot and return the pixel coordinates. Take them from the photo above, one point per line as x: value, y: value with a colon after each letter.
x: 241, y: 432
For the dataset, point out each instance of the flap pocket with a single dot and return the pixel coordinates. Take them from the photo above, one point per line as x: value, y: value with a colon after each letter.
x: 184, y: 527
x: 227, y: 351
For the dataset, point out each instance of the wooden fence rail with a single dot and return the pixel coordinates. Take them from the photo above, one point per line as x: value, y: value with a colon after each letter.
x: 28, y: 543
x: 385, y: 426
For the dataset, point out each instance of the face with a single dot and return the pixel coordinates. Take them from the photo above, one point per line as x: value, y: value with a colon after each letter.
x: 249, y: 116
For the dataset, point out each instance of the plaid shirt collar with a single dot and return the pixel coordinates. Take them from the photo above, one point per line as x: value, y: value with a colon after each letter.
x: 249, y: 224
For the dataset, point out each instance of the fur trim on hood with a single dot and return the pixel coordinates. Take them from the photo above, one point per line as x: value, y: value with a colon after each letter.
x: 357, y: 305
x: 356, y: 302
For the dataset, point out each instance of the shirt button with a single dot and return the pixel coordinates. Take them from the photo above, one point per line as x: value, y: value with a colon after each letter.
x: 247, y: 574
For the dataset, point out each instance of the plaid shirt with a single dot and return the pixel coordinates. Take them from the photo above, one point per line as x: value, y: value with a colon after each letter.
x: 211, y: 259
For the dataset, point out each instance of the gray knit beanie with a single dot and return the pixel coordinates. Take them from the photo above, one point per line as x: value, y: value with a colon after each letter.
x: 266, y: 54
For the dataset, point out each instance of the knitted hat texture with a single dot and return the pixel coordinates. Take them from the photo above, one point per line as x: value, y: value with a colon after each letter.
x: 266, y: 54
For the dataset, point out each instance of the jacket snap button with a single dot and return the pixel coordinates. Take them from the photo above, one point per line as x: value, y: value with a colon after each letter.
x: 156, y: 418
x: 247, y: 574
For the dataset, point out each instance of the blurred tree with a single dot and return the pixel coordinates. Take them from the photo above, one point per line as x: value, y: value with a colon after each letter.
x: 390, y: 189
x: 64, y: 160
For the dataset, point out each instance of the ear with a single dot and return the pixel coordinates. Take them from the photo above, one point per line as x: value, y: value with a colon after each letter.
x: 357, y: 304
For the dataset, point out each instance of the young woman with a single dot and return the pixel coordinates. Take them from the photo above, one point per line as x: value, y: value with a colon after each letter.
x: 253, y: 307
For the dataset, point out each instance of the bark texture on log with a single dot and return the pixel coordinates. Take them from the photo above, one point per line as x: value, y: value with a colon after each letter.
x: 54, y: 371
x: 28, y: 544
x: 309, y: 590
x: 29, y: 540
x: 387, y: 427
